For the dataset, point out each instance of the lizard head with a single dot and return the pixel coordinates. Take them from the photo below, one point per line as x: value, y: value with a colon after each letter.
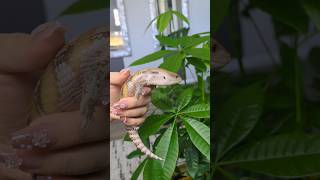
x: 161, y: 77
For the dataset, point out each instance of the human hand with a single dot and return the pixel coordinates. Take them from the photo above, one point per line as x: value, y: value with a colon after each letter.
x: 130, y: 107
x: 23, y: 57
x: 56, y: 146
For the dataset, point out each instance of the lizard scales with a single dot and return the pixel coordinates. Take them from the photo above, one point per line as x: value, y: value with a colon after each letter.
x: 76, y: 78
x: 133, y: 88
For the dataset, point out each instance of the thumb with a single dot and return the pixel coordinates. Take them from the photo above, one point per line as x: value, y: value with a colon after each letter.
x: 28, y: 53
x: 118, y: 78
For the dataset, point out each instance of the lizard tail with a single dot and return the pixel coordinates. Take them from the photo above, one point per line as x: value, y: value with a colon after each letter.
x: 134, y: 136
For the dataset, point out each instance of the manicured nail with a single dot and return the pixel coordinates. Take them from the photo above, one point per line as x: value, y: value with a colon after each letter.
x: 124, y: 119
x: 10, y: 160
x: 121, y: 105
x: 116, y: 112
x: 44, y: 178
x: 30, y: 140
x: 124, y: 71
x: 45, y: 30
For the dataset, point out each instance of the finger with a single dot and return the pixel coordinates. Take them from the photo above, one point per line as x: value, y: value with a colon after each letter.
x: 73, y: 161
x: 61, y: 130
x: 136, y: 112
x: 13, y: 174
x: 146, y: 91
x: 132, y: 121
x: 132, y: 102
x: 114, y: 117
x: 118, y: 78
x: 26, y: 53
x: 96, y: 176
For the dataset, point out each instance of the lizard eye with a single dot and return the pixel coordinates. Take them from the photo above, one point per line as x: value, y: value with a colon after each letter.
x: 164, y: 77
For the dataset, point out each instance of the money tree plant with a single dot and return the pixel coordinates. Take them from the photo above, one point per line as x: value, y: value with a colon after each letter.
x: 182, y: 129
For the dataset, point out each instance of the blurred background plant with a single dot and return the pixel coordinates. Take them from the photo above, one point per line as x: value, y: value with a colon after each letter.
x: 267, y: 120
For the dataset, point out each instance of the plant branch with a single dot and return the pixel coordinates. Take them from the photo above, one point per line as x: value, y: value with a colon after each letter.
x: 298, y: 84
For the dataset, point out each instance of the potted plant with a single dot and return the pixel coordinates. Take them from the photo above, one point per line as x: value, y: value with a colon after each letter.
x: 182, y: 129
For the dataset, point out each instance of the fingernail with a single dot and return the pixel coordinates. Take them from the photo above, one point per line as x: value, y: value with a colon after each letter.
x: 116, y: 112
x: 30, y: 140
x: 10, y: 160
x: 124, y: 71
x: 45, y: 30
x: 44, y: 178
x: 121, y: 105
x: 124, y: 119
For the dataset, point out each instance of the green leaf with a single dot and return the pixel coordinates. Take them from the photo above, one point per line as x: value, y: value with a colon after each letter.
x: 163, y: 21
x: 184, y: 98
x: 161, y: 99
x: 219, y: 9
x: 134, y: 154
x: 197, y: 63
x: 150, y: 23
x: 152, y: 57
x: 192, y: 41
x: 181, y: 16
x: 168, y: 41
x: 292, y: 76
x: 192, y: 160
x: 139, y: 169
x: 197, y: 111
x: 173, y: 63
x: 312, y: 8
x: 199, y: 134
x: 168, y: 149
x: 237, y: 117
x: 202, y: 53
x: 152, y: 124
x: 147, y: 171
x: 179, y: 33
x: 294, y: 16
x: 82, y: 6
x: 283, y: 155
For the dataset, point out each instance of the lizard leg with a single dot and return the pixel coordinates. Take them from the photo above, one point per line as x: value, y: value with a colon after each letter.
x: 138, y: 91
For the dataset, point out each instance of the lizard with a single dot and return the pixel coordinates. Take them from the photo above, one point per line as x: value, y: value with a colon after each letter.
x: 76, y: 77
x: 133, y: 88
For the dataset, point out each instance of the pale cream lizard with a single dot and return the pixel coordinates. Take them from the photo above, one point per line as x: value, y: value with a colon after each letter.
x: 133, y: 87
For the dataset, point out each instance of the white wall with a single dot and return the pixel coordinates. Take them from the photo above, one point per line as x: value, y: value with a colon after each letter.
x: 138, y: 17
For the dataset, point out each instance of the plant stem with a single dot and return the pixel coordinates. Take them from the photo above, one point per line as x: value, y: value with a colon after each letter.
x: 203, y: 87
x: 298, y: 84
x: 184, y: 76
